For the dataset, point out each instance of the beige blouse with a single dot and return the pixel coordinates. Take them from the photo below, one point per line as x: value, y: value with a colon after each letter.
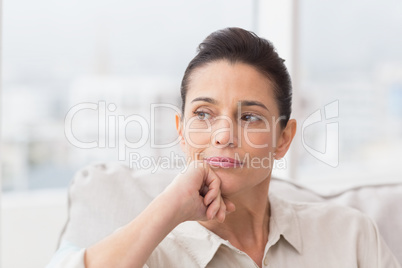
x: 311, y: 235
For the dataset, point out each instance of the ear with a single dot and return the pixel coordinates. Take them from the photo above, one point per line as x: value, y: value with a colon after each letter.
x: 285, y: 139
x: 179, y: 128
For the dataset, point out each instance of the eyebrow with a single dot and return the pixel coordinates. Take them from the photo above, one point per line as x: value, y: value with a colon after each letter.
x: 242, y: 103
x: 253, y: 103
x: 205, y: 99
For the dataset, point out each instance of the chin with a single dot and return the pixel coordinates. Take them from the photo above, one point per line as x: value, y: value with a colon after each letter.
x: 233, y: 183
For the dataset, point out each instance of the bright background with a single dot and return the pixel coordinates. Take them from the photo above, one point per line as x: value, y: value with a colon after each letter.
x: 57, y: 54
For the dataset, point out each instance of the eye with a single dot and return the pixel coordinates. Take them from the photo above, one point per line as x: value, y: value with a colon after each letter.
x: 250, y: 117
x: 202, y: 115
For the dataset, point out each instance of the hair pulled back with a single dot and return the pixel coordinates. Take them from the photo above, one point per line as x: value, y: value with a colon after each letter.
x: 239, y: 45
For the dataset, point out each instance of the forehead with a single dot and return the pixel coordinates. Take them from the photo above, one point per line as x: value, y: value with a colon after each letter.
x: 229, y: 83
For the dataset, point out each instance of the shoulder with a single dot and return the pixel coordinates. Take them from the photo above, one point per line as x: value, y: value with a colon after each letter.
x: 328, y: 231
x: 327, y: 212
x: 324, y: 221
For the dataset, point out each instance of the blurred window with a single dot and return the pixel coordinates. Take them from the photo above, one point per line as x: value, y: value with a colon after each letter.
x: 120, y: 56
x: 110, y: 60
x: 350, y: 68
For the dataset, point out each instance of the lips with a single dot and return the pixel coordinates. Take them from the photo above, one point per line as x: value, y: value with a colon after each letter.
x: 224, y: 162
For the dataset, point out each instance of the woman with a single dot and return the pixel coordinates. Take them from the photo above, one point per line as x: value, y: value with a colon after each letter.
x: 236, y: 105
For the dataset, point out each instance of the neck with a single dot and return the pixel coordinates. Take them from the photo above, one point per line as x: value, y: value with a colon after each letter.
x: 247, y: 227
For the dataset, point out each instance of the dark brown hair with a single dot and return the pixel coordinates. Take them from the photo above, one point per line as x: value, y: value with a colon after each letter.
x: 239, y: 45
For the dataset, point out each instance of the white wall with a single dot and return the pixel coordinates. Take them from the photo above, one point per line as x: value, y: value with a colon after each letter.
x: 31, y: 223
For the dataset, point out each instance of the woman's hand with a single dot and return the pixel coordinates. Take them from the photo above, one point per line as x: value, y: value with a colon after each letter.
x: 198, y: 193
x: 193, y: 195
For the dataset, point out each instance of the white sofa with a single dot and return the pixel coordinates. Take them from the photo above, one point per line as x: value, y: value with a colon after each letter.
x: 104, y: 197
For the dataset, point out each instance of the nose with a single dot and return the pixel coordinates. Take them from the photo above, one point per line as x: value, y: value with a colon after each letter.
x: 225, y: 133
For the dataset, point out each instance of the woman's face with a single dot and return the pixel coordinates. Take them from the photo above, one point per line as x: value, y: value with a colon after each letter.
x: 231, y: 122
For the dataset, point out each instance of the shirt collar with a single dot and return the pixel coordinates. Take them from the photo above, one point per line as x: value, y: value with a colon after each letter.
x: 284, y: 222
x: 200, y: 242
x: 203, y: 244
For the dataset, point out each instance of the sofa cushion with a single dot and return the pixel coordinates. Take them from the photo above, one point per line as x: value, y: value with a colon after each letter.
x: 104, y: 197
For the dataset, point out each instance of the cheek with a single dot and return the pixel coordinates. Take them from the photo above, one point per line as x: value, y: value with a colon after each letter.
x: 197, y: 139
x: 261, y: 141
x: 196, y: 135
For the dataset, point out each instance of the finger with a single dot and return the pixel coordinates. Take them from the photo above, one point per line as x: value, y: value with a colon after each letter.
x: 213, y: 208
x: 214, y: 188
x: 202, y: 209
x: 212, y: 194
x: 211, y: 177
x: 221, y: 215
x: 230, y: 207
